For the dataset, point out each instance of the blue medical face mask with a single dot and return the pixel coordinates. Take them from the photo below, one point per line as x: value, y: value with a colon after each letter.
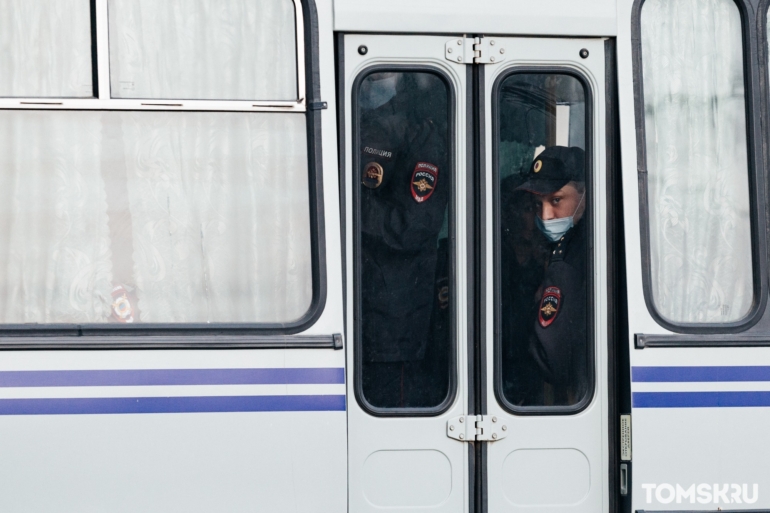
x: 554, y: 229
x: 375, y: 93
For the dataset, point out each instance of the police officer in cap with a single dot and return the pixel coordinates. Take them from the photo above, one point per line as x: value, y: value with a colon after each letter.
x: 404, y: 182
x: 523, y: 254
x: 559, y: 342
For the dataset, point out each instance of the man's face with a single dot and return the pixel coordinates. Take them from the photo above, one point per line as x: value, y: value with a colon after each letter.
x: 563, y: 203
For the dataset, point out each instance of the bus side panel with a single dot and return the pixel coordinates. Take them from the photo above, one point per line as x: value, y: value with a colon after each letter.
x: 126, y: 439
x: 698, y: 431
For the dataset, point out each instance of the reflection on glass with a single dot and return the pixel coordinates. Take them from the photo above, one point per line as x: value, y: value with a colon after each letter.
x: 45, y: 48
x: 542, y: 240
x: 139, y: 217
x: 203, y: 49
x: 404, y: 181
x: 697, y: 167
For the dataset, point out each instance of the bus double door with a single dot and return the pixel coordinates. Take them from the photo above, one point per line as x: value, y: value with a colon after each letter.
x: 477, y: 309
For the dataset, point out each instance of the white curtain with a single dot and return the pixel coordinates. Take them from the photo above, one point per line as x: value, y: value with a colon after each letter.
x: 45, y: 48
x: 220, y: 213
x: 55, y: 262
x: 207, y: 212
x: 203, y: 49
x: 695, y: 114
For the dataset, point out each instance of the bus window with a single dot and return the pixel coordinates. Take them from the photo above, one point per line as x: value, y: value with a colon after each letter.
x: 404, y: 185
x: 45, y: 49
x: 543, y: 227
x: 117, y: 212
x: 210, y: 49
x: 153, y: 217
x: 696, y: 158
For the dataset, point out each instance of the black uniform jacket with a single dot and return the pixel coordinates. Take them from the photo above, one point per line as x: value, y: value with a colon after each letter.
x: 399, y: 225
x: 559, y: 343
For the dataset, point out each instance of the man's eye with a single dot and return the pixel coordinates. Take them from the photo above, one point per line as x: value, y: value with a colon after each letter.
x: 556, y: 200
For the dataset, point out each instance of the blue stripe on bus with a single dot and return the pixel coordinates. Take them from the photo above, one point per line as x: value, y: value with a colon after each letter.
x: 695, y: 374
x: 204, y: 404
x: 157, y: 377
x: 700, y: 399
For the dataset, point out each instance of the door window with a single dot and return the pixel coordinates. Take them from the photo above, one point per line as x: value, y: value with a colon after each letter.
x: 403, y: 174
x: 543, y: 225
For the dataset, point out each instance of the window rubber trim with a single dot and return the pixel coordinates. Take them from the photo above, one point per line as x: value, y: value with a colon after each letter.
x: 206, y: 335
x: 588, y: 216
x: 618, y: 349
x: 94, y: 51
x: 756, y: 167
x: 476, y: 201
x: 452, y: 274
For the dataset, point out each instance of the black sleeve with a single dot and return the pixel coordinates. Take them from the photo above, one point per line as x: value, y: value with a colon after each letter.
x: 389, y: 213
x: 559, y: 347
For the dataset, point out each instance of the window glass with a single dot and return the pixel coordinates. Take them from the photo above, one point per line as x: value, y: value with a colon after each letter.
x: 45, y: 48
x: 404, y: 182
x: 697, y: 167
x: 159, y: 217
x: 542, y: 240
x: 203, y: 49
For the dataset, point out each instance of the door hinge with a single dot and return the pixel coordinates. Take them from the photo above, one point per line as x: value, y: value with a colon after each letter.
x: 476, y: 428
x: 474, y: 50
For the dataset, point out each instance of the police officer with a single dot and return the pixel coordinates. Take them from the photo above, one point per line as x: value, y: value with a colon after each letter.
x: 404, y: 182
x: 523, y: 251
x: 558, y: 344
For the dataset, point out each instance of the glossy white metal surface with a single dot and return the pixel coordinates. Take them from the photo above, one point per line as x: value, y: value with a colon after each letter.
x: 381, y: 449
x: 563, y: 457
x: 498, y: 17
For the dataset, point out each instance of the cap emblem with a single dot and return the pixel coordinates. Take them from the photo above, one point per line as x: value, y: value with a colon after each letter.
x: 372, y: 175
x: 538, y: 166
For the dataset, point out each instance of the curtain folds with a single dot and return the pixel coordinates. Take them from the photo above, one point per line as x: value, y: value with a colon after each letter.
x: 695, y: 114
x: 220, y: 212
x: 203, y: 49
x: 202, y: 217
x: 54, y: 242
x: 45, y: 48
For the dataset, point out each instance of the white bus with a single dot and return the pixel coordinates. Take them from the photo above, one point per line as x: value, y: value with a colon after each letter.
x: 369, y: 256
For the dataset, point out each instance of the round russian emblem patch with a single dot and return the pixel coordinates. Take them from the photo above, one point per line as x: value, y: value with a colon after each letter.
x: 373, y: 173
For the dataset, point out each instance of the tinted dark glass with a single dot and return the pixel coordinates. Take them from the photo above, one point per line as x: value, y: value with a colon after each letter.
x: 403, y: 179
x: 542, y: 237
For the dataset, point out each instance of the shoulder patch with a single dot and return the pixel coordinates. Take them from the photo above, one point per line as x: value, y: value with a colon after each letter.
x: 373, y: 174
x: 424, y: 180
x: 549, y: 306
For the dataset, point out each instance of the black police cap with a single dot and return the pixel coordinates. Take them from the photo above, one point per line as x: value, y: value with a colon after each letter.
x: 554, y: 168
